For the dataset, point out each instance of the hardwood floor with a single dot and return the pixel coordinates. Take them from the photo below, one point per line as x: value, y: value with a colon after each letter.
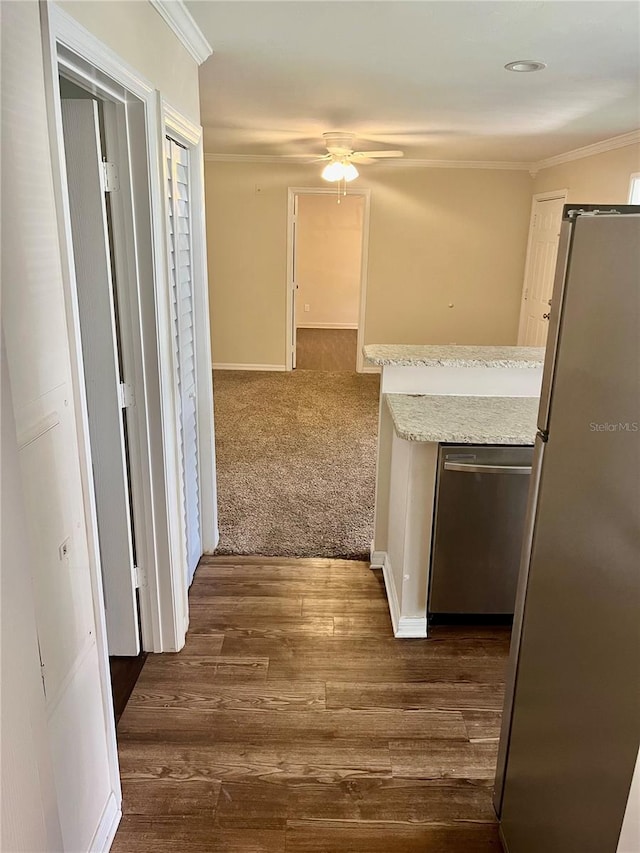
x: 124, y: 671
x: 293, y: 722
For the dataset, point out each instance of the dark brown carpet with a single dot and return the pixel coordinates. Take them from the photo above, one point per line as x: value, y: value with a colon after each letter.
x: 296, y: 456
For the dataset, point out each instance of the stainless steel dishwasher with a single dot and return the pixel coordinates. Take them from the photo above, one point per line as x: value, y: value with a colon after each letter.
x: 481, y: 499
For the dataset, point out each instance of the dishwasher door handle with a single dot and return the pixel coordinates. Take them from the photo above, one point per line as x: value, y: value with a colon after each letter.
x: 472, y: 468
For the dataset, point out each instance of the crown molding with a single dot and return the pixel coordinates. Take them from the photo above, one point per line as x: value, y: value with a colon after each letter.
x: 589, y: 150
x: 180, y: 20
x: 399, y: 163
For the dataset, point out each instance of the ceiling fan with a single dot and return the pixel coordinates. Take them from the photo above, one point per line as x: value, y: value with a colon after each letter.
x: 342, y: 159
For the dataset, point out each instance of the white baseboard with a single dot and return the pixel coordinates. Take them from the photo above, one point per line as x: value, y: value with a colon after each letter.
x: 210, y: 545
x: 376, y: 558
x: 390, y: 587
x: 404, y: 627
x: 226, y: 366
x: 105, y: 833
x: 412, y: 627
x: 327, y: 326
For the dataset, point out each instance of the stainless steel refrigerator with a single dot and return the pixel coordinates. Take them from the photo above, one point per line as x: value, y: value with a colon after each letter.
x: 571, y: 724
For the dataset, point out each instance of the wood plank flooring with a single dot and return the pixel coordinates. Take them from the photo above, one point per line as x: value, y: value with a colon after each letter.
x: 293, y: 722
x: 124, y: 674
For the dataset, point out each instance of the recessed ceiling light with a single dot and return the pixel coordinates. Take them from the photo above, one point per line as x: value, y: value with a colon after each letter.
x: 524, y: 65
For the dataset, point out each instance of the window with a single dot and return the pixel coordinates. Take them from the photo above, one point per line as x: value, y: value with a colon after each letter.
x: 634, y: 188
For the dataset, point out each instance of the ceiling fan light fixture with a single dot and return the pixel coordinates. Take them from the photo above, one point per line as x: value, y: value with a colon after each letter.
x: 350, y: 172
x: 338, y: 170
x: 524, y: 66
x: 334, y: 171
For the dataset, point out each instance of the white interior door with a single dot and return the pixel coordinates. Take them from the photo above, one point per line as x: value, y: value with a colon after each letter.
x: 96, y: 306
x: 181, y: 255
x: 540, y: 270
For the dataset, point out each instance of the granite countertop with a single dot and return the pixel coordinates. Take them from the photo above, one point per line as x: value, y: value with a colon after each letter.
x: 464, y: 420
x: 415, y: 355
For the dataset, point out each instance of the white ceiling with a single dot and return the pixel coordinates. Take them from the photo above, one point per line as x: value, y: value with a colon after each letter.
x: 425, y: 76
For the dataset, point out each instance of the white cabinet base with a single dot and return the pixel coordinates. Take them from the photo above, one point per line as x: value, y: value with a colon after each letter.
x: 406, y: 481
x: 403, y: 626
x: 405, y: 563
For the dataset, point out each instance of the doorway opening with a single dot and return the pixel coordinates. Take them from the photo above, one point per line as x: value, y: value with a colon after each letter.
x: 100, y: 207
x: 326, y: 283
x: 309, y: 488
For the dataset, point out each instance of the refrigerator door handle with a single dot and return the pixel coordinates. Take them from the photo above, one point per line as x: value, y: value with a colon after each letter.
x: 562, y: 263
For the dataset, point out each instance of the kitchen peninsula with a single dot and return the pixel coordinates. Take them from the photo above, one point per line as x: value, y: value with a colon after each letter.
x: 430, y: 396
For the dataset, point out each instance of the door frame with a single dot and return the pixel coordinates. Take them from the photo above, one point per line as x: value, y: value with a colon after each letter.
x: 292, y: 193
x: 70, y: 48
x: 188, y: 134
x: 536, y: 198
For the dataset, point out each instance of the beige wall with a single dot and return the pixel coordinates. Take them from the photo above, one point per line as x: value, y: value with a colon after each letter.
x: 137, y: 33
x: 328, y: 259
x: 437, y: 236
x: 603, y: 178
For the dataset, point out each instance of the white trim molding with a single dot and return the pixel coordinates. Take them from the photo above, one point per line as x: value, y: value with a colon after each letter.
x: 189, y: 134
x: 404, y: 627
x: 263, y: 367
x: 107, y: 828
x: 376, y: 558
x: 179, y: 19
x: 65, y: 30
x: 549, y: 195
x: 351, y: 326
x: 589, y: 150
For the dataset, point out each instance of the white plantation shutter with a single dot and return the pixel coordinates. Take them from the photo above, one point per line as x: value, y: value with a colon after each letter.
x: 180, y: 253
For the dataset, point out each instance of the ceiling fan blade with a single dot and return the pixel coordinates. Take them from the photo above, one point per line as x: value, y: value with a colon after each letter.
x: 307, y: 158
x: 300, y: 155
x: 377, y: 154
x: 362, y: 161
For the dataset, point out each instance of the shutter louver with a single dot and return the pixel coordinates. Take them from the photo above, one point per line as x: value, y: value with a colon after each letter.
x: 180, y: 251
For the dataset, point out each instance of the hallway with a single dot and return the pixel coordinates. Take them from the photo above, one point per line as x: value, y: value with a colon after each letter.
x: 294, y: 721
